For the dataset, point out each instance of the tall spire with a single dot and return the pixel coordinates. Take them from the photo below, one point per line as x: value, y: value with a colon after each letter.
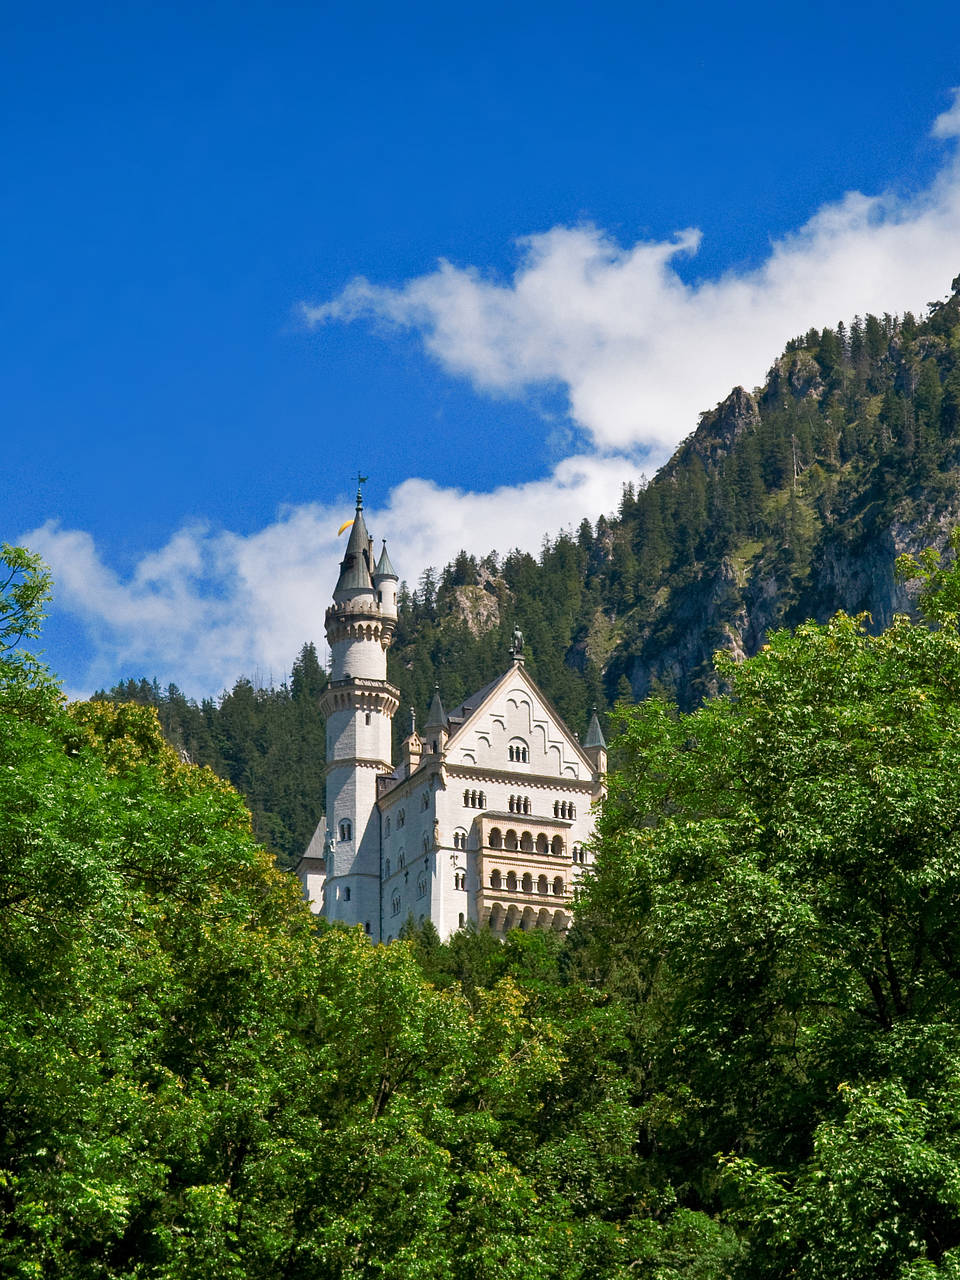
x: 594, y: 736
x: 355, y: 568
x: 437, y: 718
x: 384, y: 568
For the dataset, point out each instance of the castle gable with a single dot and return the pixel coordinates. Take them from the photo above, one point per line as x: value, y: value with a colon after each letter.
x: 511, y: 725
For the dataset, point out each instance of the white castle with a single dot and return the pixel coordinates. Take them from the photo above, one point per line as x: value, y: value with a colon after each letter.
x: 485, y: 817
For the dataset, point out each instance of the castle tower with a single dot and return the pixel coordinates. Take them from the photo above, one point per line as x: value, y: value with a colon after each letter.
x: 358, y: 705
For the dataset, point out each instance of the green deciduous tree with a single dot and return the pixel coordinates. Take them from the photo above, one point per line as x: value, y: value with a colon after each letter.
x: 776, y: 900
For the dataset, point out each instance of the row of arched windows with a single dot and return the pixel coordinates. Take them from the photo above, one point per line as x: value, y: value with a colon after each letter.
x: 579, y: 853
x: 460, y: 880
x: 459, y: 839
x: 519, y: 804
x: 525, y: 842
x: 517, y: 753
x: 346, y: 829
x: 525, y: 884
x: 561, y: 809
x: 474, y: 800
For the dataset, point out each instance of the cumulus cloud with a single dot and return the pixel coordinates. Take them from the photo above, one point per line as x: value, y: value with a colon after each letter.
x: 637, y: 351
x: 211, y: 604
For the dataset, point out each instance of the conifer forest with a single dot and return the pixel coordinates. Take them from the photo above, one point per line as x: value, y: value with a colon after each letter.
x: 743, y: 1060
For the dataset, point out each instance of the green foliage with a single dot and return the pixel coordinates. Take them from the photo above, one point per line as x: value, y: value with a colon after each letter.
x: 775, y: 902
x: 268, y: 742
x: 24, y: 591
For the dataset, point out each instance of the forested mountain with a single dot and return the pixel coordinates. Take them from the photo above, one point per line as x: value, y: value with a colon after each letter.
x: 784, y: 504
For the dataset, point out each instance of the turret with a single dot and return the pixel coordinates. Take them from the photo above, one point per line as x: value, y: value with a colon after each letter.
x: 359, y: 628
x: 356, y: 569
x: 358, y: 705
x: 385, y: 583
x: 412, y: 747
x: 435, y: 730
x: 595, y: 746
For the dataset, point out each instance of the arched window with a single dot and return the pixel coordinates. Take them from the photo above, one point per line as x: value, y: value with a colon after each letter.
x: 556, y: 808
x: 466, y: 799
x: 558, y: 885
x: 388, y: 869
x: 510, y: 752
x: 346, y: 829
x: 510, y: 840
x: 511, y: 882
x: 395, y: 904
x: 401, y: 817
x: 527, y: 882
x: 460, y: 926
x: 526, y: 842
x: 496, y: 838
x: 556, y: 847
x: 422, y: 887
x: 366, y: 927
x: 495, y: 879
x: 425, y: 800
x: 483, y: 801
x: 542, y: 884
x: 426, y: 842
x: 523, y: 754
x: 511, y: 804
x: 543, y: 844
x: 346, y: 894
x: 526, y: 804
x: 573, y: 812
x: 388, y: 827
x: 402, y: 860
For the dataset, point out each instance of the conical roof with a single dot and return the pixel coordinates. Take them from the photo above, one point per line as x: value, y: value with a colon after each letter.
x: 355, y: 565
x: 594, y: 736
x: 437, y: 718
x: 384, y: 568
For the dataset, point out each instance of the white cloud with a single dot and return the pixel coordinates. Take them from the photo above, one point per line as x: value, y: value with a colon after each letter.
x: 639, y: 354
x: 212, y: 605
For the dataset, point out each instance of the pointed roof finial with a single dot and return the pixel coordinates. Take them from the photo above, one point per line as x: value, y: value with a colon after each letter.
x: 384, y: 568
x: 436, y: 718
x: 595, y: 736
x: 356, y: 563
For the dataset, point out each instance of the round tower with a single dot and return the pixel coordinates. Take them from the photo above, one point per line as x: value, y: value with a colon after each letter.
x: 358, y: 705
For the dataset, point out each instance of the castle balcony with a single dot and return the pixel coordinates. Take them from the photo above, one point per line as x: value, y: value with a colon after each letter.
x: 354, y: 693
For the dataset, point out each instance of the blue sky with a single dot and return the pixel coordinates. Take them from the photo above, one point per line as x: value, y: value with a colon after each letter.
x: 221, y: 291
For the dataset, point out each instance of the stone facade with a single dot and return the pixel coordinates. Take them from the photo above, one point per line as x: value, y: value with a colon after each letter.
x: 484, y: 819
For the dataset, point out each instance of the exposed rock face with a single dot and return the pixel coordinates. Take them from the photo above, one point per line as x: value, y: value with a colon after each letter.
x: 797, y: 373
x: 479, y: 606
x: 734, y: 609
x: 723, y: 426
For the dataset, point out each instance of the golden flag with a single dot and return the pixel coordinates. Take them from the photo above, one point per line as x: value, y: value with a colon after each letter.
x: 346, y: 525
